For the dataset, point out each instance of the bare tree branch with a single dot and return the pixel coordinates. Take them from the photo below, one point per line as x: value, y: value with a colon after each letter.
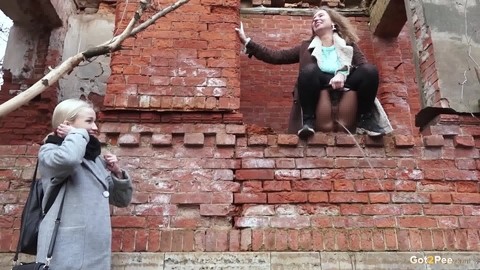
x: 68, y: 65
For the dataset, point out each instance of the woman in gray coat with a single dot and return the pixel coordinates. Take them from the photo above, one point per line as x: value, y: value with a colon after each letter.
x: 70, y: 158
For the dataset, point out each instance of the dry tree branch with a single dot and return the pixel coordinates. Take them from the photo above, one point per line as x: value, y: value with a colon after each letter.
x: 68, y: 65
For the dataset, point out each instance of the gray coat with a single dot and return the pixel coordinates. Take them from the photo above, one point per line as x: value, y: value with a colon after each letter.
x: 84, y: 237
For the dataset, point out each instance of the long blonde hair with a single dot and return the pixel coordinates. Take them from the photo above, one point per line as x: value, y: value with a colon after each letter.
x: 67, y: 110
x: 342, y: 24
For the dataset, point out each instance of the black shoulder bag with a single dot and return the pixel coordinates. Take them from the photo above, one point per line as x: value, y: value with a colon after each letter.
x: 32, y: 215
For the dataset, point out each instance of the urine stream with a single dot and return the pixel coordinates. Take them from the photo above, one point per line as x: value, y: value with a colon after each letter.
x: 365, y: 155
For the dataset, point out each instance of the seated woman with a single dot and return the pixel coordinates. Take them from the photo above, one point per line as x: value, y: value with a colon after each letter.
x: 329, y: 61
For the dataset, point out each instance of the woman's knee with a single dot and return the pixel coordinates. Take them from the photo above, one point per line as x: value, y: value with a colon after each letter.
x: 325, y: 126
x: 309, y: 72
x: 368, y: 70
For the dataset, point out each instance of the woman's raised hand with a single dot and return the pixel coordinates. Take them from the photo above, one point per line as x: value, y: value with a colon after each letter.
x: 241, y: 34
x: 63, y: 129
x: 112, y: 164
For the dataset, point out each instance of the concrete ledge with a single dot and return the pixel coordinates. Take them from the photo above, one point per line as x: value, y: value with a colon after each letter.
x: 286, y: 260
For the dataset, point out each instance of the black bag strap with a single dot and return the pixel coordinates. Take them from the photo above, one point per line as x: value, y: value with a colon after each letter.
x: 55, y: 231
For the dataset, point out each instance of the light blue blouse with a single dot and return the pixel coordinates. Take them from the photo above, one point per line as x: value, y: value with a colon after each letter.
x: 329, y: 62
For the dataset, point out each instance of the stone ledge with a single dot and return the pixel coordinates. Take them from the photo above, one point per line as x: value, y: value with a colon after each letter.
x: 286, y: 260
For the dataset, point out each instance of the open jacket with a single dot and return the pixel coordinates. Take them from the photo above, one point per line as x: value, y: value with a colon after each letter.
x: 302, y: 54
x: 84, y: 236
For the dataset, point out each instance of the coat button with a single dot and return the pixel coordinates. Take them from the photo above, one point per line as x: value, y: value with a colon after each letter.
x: 106, y: 194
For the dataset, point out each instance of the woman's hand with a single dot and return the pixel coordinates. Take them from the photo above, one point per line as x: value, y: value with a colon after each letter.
x: 63, y: 129
x: 337, y: 81
x: 241, y: 34
x: 112, y: 164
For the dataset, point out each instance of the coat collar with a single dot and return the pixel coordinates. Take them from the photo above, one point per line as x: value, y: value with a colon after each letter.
x: 344, y: 51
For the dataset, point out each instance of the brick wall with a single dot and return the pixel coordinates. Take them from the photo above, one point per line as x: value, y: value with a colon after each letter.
x: 185, y: 62
x: 220, y: 188
x: 427, y: 70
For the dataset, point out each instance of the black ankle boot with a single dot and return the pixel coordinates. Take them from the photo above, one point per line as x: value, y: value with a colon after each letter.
x: 308, y: 128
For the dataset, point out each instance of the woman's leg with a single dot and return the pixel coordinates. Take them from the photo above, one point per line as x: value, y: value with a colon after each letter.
x: 311, y: 81
x: 364, y: 80
x: 347, y: 110
x: 324, y: 119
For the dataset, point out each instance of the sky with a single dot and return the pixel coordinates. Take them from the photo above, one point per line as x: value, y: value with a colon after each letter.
x: 5, y: 22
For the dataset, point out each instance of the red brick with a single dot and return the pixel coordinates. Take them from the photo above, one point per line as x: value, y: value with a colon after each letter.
x: 464, y: 141
x: 317, y: 197
x: 466, y: 198
x: 379, y: 197
x: 469, y: 222
x: 290, y: 222
x: 188, y: 241
x: 447, y: 222
x: 354, y: 237
x: 373, y: 185
x: 404, y: 141
x: 216, y: 209
x: 329, y: 240
x: 276, y: 186
x: 191, y: 198
x: 412, y: 209
x: 433, y: 141
x: 346, y: 140
x: 287, y: 197
x: 343, y: 185
x: 322, y: 139
x: 312, y: 185
x: 381, y: 209
x: 438, y: 240
x: 250, y: 198
x: 281, y: 240
x: 443, y: 210
x: 348, y: 197
x: 287, y: 139
x: 257, y: 140
x: 441, y: 197
x: 390, y: 239
x: 257, y: 239
x: 467, y: 187
x: 194, y: 139
x: 378, y: 240
x: 407, y: 197
x: 254, y: 174
x: 466, y: 164
x: 417, y: 222
x: 246, y: 240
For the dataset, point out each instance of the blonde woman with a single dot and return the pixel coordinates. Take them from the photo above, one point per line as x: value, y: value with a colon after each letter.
x: 329, y: 61
x: 71, y: 157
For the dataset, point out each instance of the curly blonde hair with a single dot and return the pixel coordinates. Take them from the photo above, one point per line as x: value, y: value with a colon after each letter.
x: 343, y: 26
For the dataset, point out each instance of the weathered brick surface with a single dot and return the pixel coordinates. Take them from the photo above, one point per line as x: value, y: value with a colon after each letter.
x: 205, y: 200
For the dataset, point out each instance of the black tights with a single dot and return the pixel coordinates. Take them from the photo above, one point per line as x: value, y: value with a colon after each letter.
x: 362, y: 81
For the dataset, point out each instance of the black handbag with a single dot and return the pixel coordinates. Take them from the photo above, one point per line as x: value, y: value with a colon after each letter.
x: 33, y: 229
x: 32, y: 215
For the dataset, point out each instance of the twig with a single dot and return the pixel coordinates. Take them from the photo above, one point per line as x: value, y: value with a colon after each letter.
x: 68, y: 65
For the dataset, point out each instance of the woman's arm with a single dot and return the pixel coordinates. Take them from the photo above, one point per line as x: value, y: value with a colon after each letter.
x: 276, y: 57
x: 61, y: 159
